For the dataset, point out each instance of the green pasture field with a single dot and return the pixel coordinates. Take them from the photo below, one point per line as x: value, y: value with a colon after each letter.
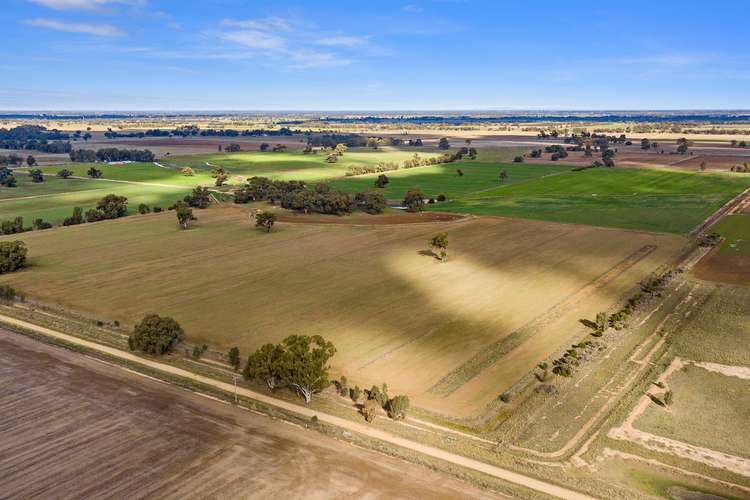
x: 291, y: 165
x: 736, y: 232
x: 444, y: 179
x: 135, y: 172
x: 55, y: 198
x: 654, y: 200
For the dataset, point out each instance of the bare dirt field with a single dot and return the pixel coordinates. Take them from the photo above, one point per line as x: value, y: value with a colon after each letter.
x: 511, y: 292
x: 78, y: 428
x: 724, y: 268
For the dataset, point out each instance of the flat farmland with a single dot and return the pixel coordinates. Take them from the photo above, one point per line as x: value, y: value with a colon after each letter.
x: 730, y: 262
x: 76, y: 428
x: 395, y: 314
x: 652, y: 200
x: 55, y: 198
x: 444, y: 179
x: 292, y: 165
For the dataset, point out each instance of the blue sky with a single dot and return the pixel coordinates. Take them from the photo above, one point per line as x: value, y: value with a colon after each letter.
x: 385, y: 55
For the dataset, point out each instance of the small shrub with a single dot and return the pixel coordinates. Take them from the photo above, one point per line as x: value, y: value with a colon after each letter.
x: 355, y: 393
x: 668, y: 398
x: 397, y: 407
x: 505, y: 397
x: 143, y: 209
x: 440, y: 197
x: 370, y: 410
x: 7, y: 293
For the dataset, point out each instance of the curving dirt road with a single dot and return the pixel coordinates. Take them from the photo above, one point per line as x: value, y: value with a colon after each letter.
x: 491, y: 470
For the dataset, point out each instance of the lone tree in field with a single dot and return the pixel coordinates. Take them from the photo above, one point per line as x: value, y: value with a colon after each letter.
x: 381, y: 181
x: 64, y: 173
x: 36, y: 175
x: 304, y: 364
x: 30, y: 161
x: 221, y: 176
x: 12, y: 256
x: 503, y: 176
x: 234, y: 357
x: 199, y: 198
x: 155, y: 335
x: 263, y: 365
x: 184, y: 214
x: 265, y: 220
x: 444, y: 144
x: 439, y: 246
x: 94, y: 173
x: 113, y: 206
x: 187, y: 172
x: 414, y: 200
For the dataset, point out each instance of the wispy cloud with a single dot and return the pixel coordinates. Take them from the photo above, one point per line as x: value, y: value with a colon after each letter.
x: 267, y: 24
x: 415, y: 9
x: 296, y: 46
x: 89, y: 29
x: 668, y: 59
x: 85, y: 4
x: 342, y: 41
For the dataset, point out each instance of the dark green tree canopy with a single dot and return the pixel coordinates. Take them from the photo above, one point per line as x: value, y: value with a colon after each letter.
x: 155, y: 335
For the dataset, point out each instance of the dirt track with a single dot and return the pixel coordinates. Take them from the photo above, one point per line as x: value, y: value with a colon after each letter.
x: 74, y: 427
x: 497, y: 472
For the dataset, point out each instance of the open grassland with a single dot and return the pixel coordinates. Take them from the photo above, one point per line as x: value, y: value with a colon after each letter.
x: 74, y: 427
x: 136, y: 172
x: 718, y: 331
x: 291, y: 165
x: 736, y: 232
x: 54, y: 199
x: 709, y: 410
x: 664, y: 201
x: 444, y: 179
x: 395, y: 314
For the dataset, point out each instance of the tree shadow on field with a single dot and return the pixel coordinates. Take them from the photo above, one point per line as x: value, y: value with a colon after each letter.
x: 428, y: 253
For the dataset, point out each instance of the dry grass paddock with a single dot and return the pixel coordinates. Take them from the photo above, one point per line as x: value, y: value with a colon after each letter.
x: 394, y: 312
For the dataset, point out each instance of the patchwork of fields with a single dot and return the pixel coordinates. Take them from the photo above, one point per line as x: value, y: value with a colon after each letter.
x: 395, y: 315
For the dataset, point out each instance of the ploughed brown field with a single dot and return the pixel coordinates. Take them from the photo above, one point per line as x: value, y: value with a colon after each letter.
x: 73, y: 427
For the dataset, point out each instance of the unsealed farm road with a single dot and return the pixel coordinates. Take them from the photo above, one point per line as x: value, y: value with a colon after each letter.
x: 491, y: 470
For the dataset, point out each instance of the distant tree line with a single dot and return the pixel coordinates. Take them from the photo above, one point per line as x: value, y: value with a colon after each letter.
x: 111, y: 154
x: 193, y: 131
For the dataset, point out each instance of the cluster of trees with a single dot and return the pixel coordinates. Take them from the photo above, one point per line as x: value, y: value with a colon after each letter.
x: 111, y: 206
x: 414, y: 161
x: 332, y: 140
x: 375, y: 399
x: 12, y: 256
x: 34, y: 137
x: 296, y: 195
x: 740, y: 144
x: 111, y: 155
x: 15, y: 226
x: 299, y: 363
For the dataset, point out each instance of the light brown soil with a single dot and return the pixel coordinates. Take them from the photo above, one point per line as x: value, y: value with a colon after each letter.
x: 75, y: 428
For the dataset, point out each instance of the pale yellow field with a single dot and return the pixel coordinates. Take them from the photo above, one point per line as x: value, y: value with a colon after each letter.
x: 395, y: 315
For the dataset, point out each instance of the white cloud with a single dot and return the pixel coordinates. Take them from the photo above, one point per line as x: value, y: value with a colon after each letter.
x: 668, y: 59
x: 267, y: 24
x: 89, y: 29
x: 84, y: 4
x: 343, y: 41
x: 254, y: 39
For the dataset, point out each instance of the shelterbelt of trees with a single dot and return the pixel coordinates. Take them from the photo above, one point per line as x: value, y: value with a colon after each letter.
x: 111, y: 154
x: 36, y: 138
